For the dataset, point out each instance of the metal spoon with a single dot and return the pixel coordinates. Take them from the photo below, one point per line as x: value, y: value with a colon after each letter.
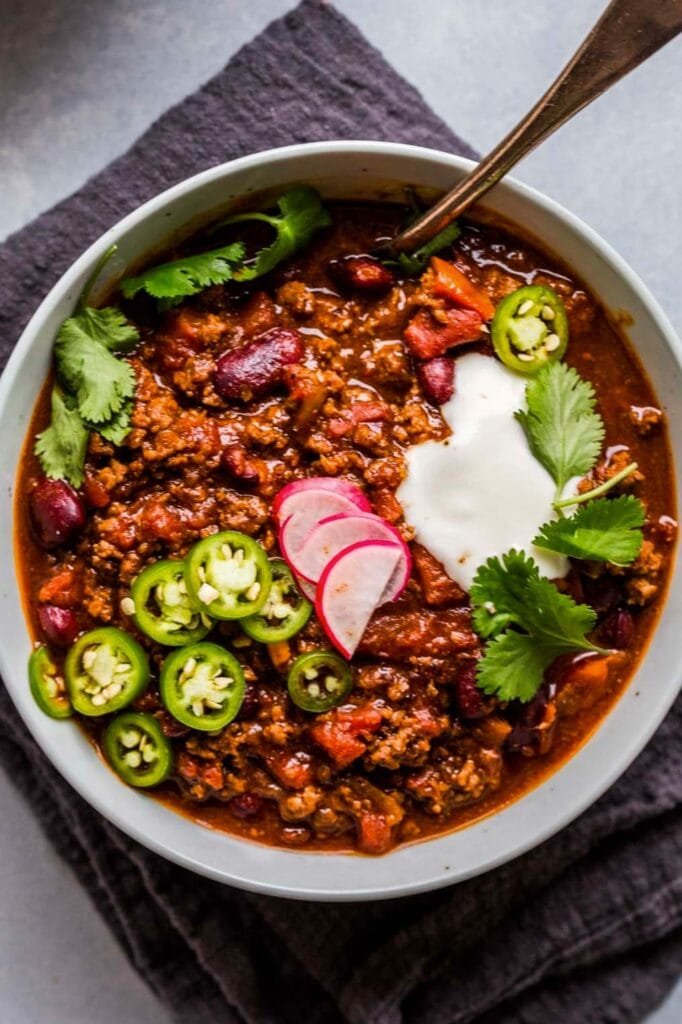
x: 627, y: 33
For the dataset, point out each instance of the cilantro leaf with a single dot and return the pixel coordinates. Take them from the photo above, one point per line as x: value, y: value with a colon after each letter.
x: 498, y: 592
x: 513, y: 666
x: 301, y: 215
x: 118, y: 427
x: 186, y: 276
x: 61, y: 447
x: 564, y: 430
x: 605, y: 530
x: 108, y: 326
x: 509, y: 594
x: 98, y: 380
x: 415, y: 262
x: 555, y: 619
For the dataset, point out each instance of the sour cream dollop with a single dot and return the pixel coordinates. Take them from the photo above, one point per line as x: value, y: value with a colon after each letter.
x: 480, y: 492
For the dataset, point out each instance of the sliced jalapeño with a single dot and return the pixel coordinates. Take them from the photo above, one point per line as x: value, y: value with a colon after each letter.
x: 228, y: 575
x: 202, y: 686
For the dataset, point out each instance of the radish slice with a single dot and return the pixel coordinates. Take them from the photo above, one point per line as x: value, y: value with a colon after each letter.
x: 308, y: 590
x: 335, y: 533
x: 304, y: 511
x: 297, y: 488
x: 351, y: 589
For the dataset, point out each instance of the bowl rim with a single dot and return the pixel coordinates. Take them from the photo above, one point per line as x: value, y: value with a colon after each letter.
x: 88, y: 786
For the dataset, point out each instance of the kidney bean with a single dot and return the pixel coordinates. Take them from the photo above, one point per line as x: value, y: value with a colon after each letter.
x: 528, y: 718
x: 57, y: 511
x: 170, y: 726
x: 251, y: 702
x: 469, y: 698
x: 59, y: 625
x: 619, y: 629
x: 437, y: 379
x: 602, y: 593
x: 235, y: 460
x: 246, y: 805
x: 361, y: 273
x: 257, y: 368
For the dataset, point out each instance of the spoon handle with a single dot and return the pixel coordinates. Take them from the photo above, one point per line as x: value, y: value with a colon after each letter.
x: 627, y: 33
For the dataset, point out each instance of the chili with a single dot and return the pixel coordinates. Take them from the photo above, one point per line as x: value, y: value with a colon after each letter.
x: 530, y: 328
x: 47, y: 685
x: 285, y: 611
x: 228, y: 575
x: 105, y: 670
x: 202, y: 686
x: 319, y: 680
x: 164, y: 610
x: 137, y: 750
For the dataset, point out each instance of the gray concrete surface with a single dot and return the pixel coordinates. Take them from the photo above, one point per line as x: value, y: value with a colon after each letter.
x: 80, y: 79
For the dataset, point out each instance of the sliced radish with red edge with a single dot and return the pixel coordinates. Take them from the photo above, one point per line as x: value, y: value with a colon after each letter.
x: 352, y: 494
x: 337, y: 532
x: 351, y: 588
x: 305, y: 510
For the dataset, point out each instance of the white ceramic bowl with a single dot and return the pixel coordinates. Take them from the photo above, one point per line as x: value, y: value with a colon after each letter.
x: 346, y: 170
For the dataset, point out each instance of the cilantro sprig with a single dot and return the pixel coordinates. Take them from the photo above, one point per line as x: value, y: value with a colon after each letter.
x: 414, y: 262
x: 178, y: 279
x: 605, y: 530
x: 529, y: 623
x: 95, y: 388
x: 564, y: 430
x: 301, y: 214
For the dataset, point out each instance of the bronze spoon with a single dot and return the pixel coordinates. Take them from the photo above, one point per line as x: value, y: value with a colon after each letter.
x: 627, y: 33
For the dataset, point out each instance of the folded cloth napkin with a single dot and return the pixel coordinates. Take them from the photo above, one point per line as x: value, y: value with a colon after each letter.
x: 585, y: 928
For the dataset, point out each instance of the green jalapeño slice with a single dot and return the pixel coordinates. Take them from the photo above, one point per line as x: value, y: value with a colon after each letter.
x: 105, y: 670
x: 202, y: 686
x: 47, y: 685
x: 319, y: 681
x: 285, y: 611
x: 530, y: 328
x: 137, y: 750
x: 164, y: 610
x: 228, y: 575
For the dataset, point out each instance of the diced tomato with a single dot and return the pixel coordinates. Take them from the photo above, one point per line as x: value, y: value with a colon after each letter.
x: 96, y: 494
x: 295, y: 771
x: 63, y: 589
x: 450, y: 283
x: 437, y: 587
x: 339, y: 734
x: 359, y: 412
x: 374, y: 833
x: 427, y: 337
x: 428, y: 724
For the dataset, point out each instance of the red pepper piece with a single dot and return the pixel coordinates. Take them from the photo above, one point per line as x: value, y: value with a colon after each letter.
x: 339, y: 734
x: 450, y: 283
x: 427, y: 337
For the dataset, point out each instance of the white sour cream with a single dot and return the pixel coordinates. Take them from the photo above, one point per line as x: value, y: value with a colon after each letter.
x: 480, y: 492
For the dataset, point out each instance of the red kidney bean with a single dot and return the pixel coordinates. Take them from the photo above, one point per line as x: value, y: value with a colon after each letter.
x: 469, y: 698
x: 59, y: 625
x: 257, y: 368
x: 527, y: 718
x: 235, y: 460
x: 251, y: 703
x: 246, y: 805
x: 619, y: 629
x: 57, y: 511
x: 602, y: 593
x: 437, y: 379
x: 361, y: 273
x: 170, y: 726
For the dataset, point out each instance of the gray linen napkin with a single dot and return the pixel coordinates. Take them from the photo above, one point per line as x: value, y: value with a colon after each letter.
x: 586, y: 928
